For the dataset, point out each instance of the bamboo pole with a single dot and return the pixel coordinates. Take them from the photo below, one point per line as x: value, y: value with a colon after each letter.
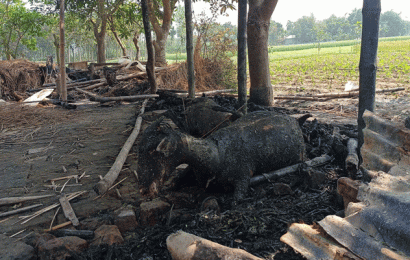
x: 242, y: 15
x: 63, y: 86
x: 190, y: 48
x: 13, y: 200
x: 103, y: 185
x: 16, y: 211
x: 368, y: 61
x: 121, y: 98
x: 325, y: 97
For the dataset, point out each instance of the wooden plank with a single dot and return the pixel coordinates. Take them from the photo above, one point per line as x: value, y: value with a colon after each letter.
x: 68, y: 210
x: 38, y: 97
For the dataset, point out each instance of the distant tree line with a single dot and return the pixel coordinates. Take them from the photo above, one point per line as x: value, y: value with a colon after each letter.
x: 308, y: 29
x: 98, y: 29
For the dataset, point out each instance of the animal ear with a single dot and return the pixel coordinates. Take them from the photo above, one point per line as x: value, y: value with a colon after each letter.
x: 167, y: 147
x: 154, y: 126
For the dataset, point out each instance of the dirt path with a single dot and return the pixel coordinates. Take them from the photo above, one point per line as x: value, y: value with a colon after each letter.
x: 344, y: 111
x: 88, y: 141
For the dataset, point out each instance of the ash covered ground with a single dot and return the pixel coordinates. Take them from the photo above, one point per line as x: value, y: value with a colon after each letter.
x: 256, y: 223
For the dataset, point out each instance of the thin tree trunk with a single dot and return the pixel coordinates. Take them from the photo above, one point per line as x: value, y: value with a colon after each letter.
x: 137, y: 47
x: 124, y: 50
x: 62, y: 61
x: 150, y: 49
x: 368, y: 61
x: 190, y: 49
x: 260, y: 11
x: 57, y: 47
x: 242, y: 15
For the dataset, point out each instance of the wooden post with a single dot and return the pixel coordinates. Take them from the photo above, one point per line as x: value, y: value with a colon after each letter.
x: 63, y: 86
x: 368, y: 61
x: 150, y: 48
x: 242, y: 15
x: 190, y: 49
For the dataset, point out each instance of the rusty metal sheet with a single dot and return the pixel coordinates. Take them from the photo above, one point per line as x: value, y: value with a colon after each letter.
x: 378, y: 227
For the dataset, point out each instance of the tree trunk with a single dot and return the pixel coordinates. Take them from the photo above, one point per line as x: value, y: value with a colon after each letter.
x: 100, y: 48
x: 159, y: 45
x: 150, y: 49
x: 260, y: 11
x: 161, y: 28
x: 137, y: 47
x: 124, y: 50
x: 56, y: 43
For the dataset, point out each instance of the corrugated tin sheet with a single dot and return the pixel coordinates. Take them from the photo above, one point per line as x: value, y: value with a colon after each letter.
x: 378, y: 227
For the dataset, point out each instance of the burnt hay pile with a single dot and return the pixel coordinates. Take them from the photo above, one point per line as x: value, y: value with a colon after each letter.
x: 257, y: 223
x: 17, y: 76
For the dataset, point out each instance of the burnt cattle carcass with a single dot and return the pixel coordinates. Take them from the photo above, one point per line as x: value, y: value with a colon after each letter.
x: 202, y: 117
x: 256, y: 143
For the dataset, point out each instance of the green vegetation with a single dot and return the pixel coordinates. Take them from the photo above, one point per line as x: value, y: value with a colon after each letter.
x: 328, y: 44
x: 335, y: 66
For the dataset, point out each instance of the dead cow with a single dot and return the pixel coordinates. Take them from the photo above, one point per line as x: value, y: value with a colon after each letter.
x: 256, y: 143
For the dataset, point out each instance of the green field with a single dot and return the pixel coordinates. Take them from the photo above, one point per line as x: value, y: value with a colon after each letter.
x: 328, y: 70
x: 331, y: 68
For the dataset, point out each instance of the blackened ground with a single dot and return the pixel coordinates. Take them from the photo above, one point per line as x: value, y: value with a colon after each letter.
x: 258, y: 222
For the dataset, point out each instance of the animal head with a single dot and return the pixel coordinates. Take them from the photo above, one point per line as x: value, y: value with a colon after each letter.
x: 157, y: 157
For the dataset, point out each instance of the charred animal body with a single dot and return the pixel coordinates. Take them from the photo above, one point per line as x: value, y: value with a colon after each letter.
x: 256, y: 143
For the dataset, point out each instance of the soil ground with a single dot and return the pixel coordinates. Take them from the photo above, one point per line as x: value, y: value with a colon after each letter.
x: 83, y: 140
x: 88, y: 140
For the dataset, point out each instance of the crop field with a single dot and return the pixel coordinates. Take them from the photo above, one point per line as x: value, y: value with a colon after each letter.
x: 312, y: 71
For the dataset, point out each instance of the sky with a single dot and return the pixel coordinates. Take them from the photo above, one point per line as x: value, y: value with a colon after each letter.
x: 321, y: 9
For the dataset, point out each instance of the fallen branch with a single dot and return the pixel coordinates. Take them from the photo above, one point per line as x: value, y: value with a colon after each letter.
x: 219, y: 91
x: 16, y: 211
x: 84, y: 234
x: 122, y: 98
x: 325, y: 97
x: 44, y: 210
x: 13, y: 200
x: 272, y: 176
x: 103, y: 185
x: 59, y: 226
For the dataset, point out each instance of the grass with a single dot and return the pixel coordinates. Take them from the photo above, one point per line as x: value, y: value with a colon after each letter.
x: 331, y: 68
x: 323, y: 45
x: 175, y: 57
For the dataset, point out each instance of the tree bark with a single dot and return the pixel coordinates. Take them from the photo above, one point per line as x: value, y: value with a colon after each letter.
x: 100, y: 37
x: 260, y: 11
x: 150, y: 49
